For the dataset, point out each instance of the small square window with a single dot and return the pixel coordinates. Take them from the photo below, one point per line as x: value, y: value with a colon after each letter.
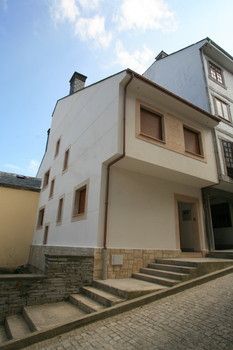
x: 57, y: 147
x: 60, y: 210
x: 46, y: 179
x: 216, y: 73
x: 46, y: 232
x: 79, y: 207
x: 192, y: 140
x: 66, y: 159
x: 151, y: 124
x: 222, y: 109
x: 40, y: 220
x: 51, y: 191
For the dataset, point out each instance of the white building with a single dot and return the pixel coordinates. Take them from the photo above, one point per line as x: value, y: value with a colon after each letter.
x: 125, y: 164
x: 202, y: 73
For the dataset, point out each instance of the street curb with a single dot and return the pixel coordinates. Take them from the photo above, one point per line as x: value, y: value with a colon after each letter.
x: 38, y: 336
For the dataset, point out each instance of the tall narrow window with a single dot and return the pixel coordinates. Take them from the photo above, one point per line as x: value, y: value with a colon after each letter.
x: 192, y: 140
x: 57, y: 147
x: 60, y: 210
x: 222, y: 109
x: 151, y: 124
x: 228, y: 155
x: 66, y: 159
x: 80, y: 201
x: 51, y: 188
x: 40, y: 220
x: 46, y: 179
x: 215, y: 73
x: 46, y: 232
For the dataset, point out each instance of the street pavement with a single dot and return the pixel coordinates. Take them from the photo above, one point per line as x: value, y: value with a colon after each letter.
x: 200, y: 318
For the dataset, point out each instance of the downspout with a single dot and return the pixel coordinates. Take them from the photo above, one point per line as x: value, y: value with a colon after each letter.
x: 105, y: 252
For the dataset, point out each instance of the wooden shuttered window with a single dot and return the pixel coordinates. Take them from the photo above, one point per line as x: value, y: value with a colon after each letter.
x: 228, y: 155
x: 151, y: 124
x: 40, y: 220
x: 80, y: 201
x: 59, y: 210
x: 192, y: 141
x: 46, y: 179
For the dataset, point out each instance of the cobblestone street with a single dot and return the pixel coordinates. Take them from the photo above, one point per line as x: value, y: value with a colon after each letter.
x: 199, y: 318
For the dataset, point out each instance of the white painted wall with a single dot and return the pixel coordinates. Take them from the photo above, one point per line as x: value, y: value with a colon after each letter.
x: 142, y: 211
x: 88, y: 123
x: 181, y: 73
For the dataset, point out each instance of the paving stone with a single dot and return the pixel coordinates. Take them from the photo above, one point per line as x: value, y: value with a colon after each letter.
x: 200, y: 318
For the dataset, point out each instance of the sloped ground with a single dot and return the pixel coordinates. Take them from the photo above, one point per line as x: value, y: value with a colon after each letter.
x: 200, y: 318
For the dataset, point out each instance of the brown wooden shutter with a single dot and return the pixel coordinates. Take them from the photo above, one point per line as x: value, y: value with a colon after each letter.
x: 192, y: 143
x: 82, y: 201
x: 151, y: 124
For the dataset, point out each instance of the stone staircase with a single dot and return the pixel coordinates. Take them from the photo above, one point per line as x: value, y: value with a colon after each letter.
x: 160, y: 275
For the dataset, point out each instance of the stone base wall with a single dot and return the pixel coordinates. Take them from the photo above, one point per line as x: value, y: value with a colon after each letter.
x: 63, y: 276
x: 132, y: 261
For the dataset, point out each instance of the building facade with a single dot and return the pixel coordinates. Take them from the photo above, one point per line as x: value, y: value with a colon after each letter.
x: 202, y: 73
x: 19, y: 196
x: 123, y: 174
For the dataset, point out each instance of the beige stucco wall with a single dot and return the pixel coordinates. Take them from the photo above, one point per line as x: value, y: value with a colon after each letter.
x: 142, y: 211
x: 17, y: 219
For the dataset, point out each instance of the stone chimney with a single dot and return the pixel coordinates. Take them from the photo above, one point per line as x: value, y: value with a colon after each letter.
x: 161, y: 55
x: 77, y: 82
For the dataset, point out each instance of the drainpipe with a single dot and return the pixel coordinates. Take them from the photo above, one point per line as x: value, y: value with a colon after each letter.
x: 105, y: 252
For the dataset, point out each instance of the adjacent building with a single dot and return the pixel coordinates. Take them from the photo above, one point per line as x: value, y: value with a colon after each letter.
x: 202, y: 73
x: 19, y: 197
x: 122, y: 176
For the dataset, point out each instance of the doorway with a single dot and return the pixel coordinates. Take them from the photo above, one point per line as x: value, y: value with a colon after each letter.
x: 188, y: 227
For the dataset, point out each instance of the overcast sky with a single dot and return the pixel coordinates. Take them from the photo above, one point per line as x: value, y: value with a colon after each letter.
x: 42, y: 42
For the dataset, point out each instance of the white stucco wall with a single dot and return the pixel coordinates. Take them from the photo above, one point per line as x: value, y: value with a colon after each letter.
x: 177, y: 70
x: 142, y: 211
x: 88, y: 123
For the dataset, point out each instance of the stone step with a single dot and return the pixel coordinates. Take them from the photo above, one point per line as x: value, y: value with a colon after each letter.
x: 16, y: 327
x: 167, y: 274
x: 178, y: 262
x: 3, y: 336
x: 102, y: 297
x: 43, y: 316
x: 159, y: 280
x: 85, y: 303
x: 175, y: 268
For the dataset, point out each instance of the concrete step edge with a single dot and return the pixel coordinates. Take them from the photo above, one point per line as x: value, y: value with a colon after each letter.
x: 162, y: 273
x: 105, y: 298
x: 112, y: 311
x: 167, y: 267
x: 28, y: 320
x: 159, y: 280
x: 85, y: 303
x: 177, y: 262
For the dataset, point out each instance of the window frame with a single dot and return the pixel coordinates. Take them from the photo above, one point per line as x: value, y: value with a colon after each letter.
x: 216, y: 109
x: 215, y: 67
x: 47, y: 177
x: 221, y: 139
x: 38, y: 225
x: 199, y: 135
x: 46, y: 234
x: 156, y: 113
x: 51, y: 193
x: 66, y: 161
x: 79, y: 216
x: 57, y: 147
x: 60, y: 211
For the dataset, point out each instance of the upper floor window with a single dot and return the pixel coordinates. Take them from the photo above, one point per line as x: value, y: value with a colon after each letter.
x: 222, y: 109
x: 40, y: 220
x: 60, y: 210
x: 228, y: 155
x: 79, y: 207
x: 46, y: 179
x: 66, y: 159
x: 192, y: 140
x: 151, y: 124
x: 46, y: 232
x: 51, y: 188
x: 216, y: 73
x: 57, y: 147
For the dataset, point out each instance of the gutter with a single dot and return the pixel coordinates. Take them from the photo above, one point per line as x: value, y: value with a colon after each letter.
x: 105, y: 255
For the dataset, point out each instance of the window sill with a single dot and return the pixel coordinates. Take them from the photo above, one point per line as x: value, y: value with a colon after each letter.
x: 150, y: 138
x: 215, y: 81
x: 195, y: 154
x: 79, y: 217
x: 39, y: 227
